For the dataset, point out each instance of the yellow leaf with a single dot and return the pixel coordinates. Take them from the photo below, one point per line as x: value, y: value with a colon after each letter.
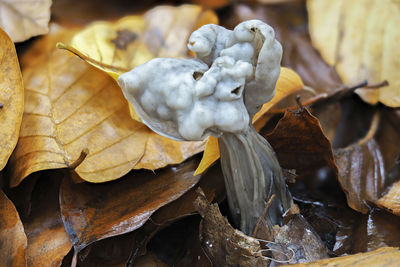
x: 11, y: 98
x: 288, y: 82
x: 382, y: 257
x: 69, y: 107
x: 24, y: 19
x: 361, y: 39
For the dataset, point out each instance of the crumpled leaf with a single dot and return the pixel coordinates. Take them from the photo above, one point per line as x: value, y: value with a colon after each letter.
x: 24, y: 19
x: 95, y: 211
x: 117, y: 47
x: 11, y: 97
x: 48, y: 242
x: 383, y: 257
x: 288, y: 83
x: 13, y: 239
x: 360, y: 48
x: 71, y: 107
x: 364, y: 166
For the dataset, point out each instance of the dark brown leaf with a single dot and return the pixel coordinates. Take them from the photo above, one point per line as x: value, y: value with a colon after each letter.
x: 12, y: 237
x: 300, y: 143
x: 96, y: 211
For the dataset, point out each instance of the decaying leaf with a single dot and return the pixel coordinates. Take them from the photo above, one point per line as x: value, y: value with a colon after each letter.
x: 24, y: 19
x: 70, y: 107
x: 391, y: 200
x: 13, y: 240
x: 95, y: 211
x: 288, y: 83
x: 48, y: 242
x: 11, y: 97
x: 383, y: 257
x: 120, y: 46
x: 222, y: 243
x: 300, y: 143
x: 360, y: 48
x: 364, y: 166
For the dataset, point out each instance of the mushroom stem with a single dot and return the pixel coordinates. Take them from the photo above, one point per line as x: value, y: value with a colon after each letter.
x: 252, y: 175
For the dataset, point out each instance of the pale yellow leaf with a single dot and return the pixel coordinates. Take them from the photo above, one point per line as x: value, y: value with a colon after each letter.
x: 24, y: 19
x: 361, y: 39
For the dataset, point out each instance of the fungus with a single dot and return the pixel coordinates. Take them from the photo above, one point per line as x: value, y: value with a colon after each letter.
x: 217, y: 93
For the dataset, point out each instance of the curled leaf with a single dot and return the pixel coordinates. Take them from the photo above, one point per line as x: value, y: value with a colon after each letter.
x: 11, y: 98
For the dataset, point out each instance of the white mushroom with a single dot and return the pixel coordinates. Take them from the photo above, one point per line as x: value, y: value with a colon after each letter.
x: 216, y: 94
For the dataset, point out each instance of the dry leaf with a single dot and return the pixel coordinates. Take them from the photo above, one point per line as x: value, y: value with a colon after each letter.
x: 122, y: 45
x: 24, y: 19
x: 93, y: 212
x: 11, y: 98
x: 364, y: 166
x: 13, y: 240
x: 48, y: 242
x: 383, y: 257
x: 391, y: 201
x: 360, y: 48
x: 288, y: 83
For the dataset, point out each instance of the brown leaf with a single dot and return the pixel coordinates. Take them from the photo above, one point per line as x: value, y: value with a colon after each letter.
x: 24, y: 19
x: 11, y: 98
x: 48, y: 242
x: 364, y: 166
x: 12, y: 236
x: 300, y: 143
x: 96, y: 211
x: 383, y: 257
x: 299, y: 237
x: 222, y: 243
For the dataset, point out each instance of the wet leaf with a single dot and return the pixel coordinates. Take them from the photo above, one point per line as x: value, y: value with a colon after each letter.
x: 382, y: 257
x: 12, y: 236
x: 300, y: 143
x: 364, y: 166
x: 358, y: 48
x: 95, y: 211
x: 288, y: 83
x: 24, y: 19
x: 11, y: 98
x: 48, y: 242
x: 117, y: 47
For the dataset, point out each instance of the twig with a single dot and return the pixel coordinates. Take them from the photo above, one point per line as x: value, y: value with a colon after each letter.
x: 267, y: 205
x: 81, y: 158
x: 301, y: 107
x: 372, y: 129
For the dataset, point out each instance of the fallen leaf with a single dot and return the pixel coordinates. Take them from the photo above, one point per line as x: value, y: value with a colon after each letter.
x: 48, y: 242
x: 300, y: 143
x: 117, y: 47
x: 24, y: 19
x: 288, y: 83
x: 93, y: 212
x: 224, y: 245
x: 11, y: 98
x: 299, y: 242
x: 383, y: 257
x: 360, y: 48
x: 364, y: 165
x: 13, y: 239
x: 391, y: 200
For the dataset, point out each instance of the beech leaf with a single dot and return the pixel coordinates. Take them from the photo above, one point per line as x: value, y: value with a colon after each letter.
x: 13, y: 239
x: 24, y: 19
x: 11, y: 98
x: 360, y: 48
